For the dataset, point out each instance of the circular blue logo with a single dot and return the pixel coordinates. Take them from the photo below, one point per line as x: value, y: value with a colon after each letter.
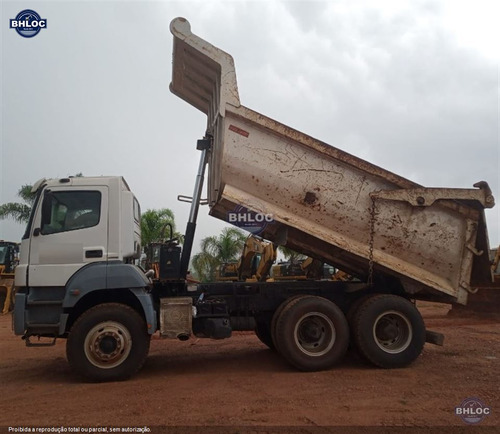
x: 472, y: 410
x: 28, y: 23
x: 249, y: 220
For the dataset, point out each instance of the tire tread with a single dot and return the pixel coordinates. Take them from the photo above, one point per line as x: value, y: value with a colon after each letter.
x: 78, y: 361
x: 387, y: 361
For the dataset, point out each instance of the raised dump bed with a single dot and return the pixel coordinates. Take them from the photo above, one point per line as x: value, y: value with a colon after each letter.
x: 327, y: 203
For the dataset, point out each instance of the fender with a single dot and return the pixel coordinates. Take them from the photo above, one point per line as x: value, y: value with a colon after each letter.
x: 102, y: 275
x: 109, y: 275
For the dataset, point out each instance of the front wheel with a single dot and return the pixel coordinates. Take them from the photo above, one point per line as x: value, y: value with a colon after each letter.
x: 389, y: 331
x: 109, y: 342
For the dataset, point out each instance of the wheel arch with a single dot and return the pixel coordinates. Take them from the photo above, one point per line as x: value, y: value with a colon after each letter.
x: 106, y: 282
x: 137, y: 299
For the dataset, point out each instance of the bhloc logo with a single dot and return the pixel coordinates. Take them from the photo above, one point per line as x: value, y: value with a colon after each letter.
x: 28, y: 23
x: 251, y: 221
x: 472, y: 410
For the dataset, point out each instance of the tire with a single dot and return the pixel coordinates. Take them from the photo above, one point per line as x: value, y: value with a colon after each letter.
x: 3, y: 298
x: 351, y: 313
x: 109, y: 342
x: 389, y: 331
x: 277, y: 314
x: 312, y: 332
x: 263, y: 332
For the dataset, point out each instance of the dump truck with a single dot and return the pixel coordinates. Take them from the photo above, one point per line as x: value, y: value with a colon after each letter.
x: 77, y: 277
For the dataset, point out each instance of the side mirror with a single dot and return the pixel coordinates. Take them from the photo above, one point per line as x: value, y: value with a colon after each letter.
x: 46, y: 208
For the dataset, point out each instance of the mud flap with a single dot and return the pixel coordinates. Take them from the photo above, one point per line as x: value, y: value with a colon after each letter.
x: 434, y: 338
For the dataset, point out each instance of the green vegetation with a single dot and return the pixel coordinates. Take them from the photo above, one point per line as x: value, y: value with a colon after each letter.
x: 291, y: 255
x: 215, y: 251
x: 20, y: 211
x: 154, y: 226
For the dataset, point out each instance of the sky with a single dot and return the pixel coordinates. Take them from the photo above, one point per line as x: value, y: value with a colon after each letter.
x: 409, y: 85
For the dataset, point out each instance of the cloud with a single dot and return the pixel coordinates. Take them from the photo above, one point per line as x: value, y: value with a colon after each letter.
x: 394, y: 82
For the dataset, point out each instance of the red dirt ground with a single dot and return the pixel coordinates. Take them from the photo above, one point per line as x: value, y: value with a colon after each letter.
x: 238, y: 385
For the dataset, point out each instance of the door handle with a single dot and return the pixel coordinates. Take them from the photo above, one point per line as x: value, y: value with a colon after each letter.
x: 94, y: 253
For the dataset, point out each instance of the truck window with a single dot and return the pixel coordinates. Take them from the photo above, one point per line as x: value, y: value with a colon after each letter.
x: 70, y: 210
x: 137, y: 211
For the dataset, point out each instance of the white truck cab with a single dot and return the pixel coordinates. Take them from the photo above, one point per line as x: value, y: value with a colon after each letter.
x: 74, y: 222
x: 78, y: 248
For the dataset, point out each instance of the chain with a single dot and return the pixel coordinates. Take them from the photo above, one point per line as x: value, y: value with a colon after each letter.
x: 373, y: 215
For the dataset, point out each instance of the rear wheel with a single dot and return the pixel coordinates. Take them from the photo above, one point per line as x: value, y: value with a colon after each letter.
x: 3, y: 299
x: 353, y: 308
x: 389, y: 331
x: 263, y: 332
x: 277, y: 314
x: 108, y: 343
x: 312, y: 333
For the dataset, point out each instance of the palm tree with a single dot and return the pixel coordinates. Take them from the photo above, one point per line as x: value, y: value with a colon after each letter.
x: 215, y: 251
x: 154, y: 224
x: 18, y: 211
x: 291, y: 255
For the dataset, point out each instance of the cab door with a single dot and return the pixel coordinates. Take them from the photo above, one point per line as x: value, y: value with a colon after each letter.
x: 69, y: 231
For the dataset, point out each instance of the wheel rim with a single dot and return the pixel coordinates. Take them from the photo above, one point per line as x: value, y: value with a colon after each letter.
x: 392, y: 332
x: 314, y: 334
x: 108, y: 344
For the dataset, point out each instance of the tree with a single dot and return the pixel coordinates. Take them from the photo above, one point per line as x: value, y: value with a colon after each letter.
x: 291, y: 255
x: 215, y: 251
x: 154, y: 226
x: 20, y: 212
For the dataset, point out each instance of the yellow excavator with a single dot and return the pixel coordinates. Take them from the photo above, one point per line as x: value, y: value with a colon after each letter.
x: 299, y: 269
x: 9, y: 258
x: 254, y: 265
x: 308, y: 268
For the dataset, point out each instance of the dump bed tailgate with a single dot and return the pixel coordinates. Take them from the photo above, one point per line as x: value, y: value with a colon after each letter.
x: 325, y: 202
